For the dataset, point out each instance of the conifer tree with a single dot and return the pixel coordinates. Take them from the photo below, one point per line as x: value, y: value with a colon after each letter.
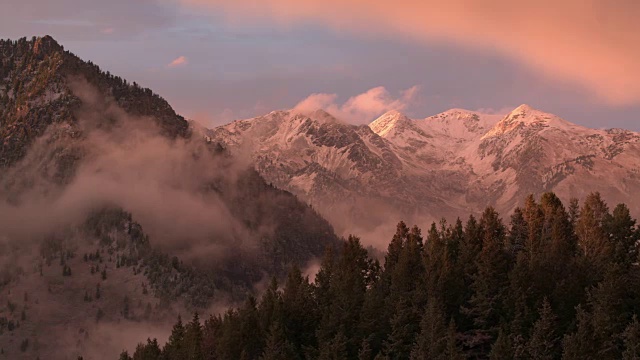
x: 250, y: 335
x: 579, y: 344
x: 592, y: 237
x: 277, y: 346
x: 624, y: 234
x: 485, y: 305
x: 432, y: 340
x: 502, y: 348
x: 544, y: 341
x: 174, y: 348
x: 300, y: 312
x: 335, y: 348
x: 631, y: 338
x: 349, y: 281
x: 148, y: 351
x: 404, y: 328
x: 193, y: 339
x: 365, y: 352
x: 518, y: 233
x: 270, y: 306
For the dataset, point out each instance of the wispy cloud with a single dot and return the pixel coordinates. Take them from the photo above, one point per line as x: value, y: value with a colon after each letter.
x: 592, y: 43
x: 362, y: 108
x: 108, y: 31
x: 179, y: 61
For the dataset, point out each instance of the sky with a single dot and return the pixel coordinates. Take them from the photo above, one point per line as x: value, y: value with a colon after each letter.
x: 220, y: 60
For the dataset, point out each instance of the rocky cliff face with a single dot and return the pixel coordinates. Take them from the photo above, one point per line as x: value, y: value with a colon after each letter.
x: 448, y: 165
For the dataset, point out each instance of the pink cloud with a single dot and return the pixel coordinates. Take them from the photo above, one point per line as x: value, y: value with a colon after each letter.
x: 592, y: 43
x: 180, y: 61
x: 362, y: 108
x: 108, y: 31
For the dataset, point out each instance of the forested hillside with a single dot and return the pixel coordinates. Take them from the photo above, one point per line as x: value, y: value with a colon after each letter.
x: 552, y: 282
x: 103, y: 184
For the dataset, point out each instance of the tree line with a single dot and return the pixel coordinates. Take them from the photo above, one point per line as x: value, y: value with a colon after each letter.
x: 552, y: 282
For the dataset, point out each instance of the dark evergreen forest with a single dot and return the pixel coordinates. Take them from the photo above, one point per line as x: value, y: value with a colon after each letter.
x: 551, y: 282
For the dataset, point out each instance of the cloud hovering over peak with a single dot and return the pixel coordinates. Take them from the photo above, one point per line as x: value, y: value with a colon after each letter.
x: 362, y: 108
x: 591, y: 43
x: 178, y: 62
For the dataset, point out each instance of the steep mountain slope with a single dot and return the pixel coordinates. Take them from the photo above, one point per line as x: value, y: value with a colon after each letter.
x: 451, y: 163
x: 80, y: 145
x: 63, y: 117
x: 342, y: 169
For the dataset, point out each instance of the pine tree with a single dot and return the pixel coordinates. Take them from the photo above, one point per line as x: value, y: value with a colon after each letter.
x: 270, y: 306
x: 149, y: 351
x: 534, y: 217
x: 125, y: 307
x: 404, y: 328
x: 518, y: 233
x: 580, y: 344
x: 407, y: 297
x: 99, y: 315
x: 193, y: 339
x: 335, y: 348
x: 574, y: 210
x: 174, y: 348
x: 349, y: 281
x: 469, y: 250
x: 612, y: 304
x: 544, y: 342
x: 365, y: 352
x: 631, y: 338
x: 502, y: 348
x: 299, y: 310
x: 376, y: 315
x: 278, y: 347
x: 624, y: 234
x: 432, y: 341
x: 485, y: 305
x: 395, y: 246
x: 592, y: 237
x: 453, y: 350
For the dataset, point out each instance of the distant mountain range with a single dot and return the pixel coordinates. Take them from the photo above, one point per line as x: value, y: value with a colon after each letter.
x: 450, y: 164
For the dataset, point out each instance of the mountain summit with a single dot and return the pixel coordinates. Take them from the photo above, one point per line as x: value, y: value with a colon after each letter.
x: 391, y: 121
x: 452, y: 163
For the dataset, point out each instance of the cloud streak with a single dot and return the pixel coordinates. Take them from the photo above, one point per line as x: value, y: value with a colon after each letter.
x: 362, y: 108
x: 592, y: 43
x: 179, y: 61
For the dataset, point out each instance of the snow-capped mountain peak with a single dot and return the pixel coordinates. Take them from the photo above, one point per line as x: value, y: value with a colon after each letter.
x: 451, y: 163
x: 525, y: 117
x: 389, y: 121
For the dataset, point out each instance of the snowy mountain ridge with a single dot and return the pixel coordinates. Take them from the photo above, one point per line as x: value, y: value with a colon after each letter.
x: 449, y: 164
